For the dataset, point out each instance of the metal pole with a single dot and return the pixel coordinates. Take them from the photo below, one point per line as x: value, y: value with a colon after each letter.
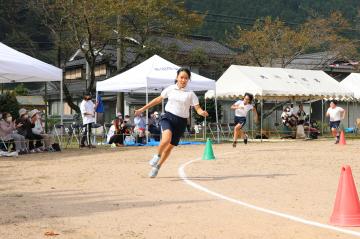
x: 147, y: 113
x: 309, y: 120
x: 217, y: 120
x: 348, y: 114
x: 61, y: 103
x: 204, y: 130
x: 46, y: 109
x: 97, y: 94
x: 322, y: 117
x: 261, y: 120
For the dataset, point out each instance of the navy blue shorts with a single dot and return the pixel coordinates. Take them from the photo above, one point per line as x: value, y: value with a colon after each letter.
x: 240, y: 120
x: 175, y: 124
x: 334, y: 124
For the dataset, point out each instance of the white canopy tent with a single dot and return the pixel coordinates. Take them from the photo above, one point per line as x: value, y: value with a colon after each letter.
x: 352, y: 83
x: 151, y: 76
x: 16, y: 67
x: 279, y: 84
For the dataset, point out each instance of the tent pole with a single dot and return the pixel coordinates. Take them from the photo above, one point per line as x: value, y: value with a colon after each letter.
x: 261, y: 119
x: 96, y: 114
x: 147, y: 117
x: 348, y: 114
x: 46, y: 109
x: 252, y: 126
x: 309, y: 120
x: 204, y: 133
x: 217, y: 120
x: 61, y: 103
x: 322, y: 117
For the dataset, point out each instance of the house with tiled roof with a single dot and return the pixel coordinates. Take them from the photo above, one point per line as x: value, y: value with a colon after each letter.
x: 184, y: 48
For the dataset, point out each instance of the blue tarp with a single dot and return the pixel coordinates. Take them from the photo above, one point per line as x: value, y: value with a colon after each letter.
x: 100, y: 106
x: 156, y: 143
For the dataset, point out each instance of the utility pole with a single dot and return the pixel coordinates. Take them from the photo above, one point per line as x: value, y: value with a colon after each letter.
x: 120, y: 95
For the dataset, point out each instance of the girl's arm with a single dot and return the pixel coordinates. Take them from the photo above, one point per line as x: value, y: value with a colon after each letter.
x: 152, y: 103
x: 200, y: 111
x: 234, y: 107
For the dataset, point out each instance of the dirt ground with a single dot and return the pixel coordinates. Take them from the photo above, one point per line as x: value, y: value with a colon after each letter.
x: 105, y: 193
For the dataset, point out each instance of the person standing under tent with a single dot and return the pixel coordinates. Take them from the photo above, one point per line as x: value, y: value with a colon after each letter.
x: 242, y: 107
x: 336, y: 114
x: 173, y: 122
x: 87, y: 108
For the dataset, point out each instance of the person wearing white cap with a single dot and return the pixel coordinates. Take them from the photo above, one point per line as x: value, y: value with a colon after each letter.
x: 39, y: 130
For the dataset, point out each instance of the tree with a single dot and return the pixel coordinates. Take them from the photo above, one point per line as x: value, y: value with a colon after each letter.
x: 8, y: 103
x: 270, y: 42
x: 210, y: 108
x: 20, y: 89
x: 90, y: 25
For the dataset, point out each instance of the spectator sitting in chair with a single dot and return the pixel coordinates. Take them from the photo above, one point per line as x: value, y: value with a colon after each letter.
x: 301, y: 115
x: 127, y: 126
x: 39, y: 130
x: 140, y: 128
x: 154, y: 126
x: 287, y: 123
x: 26, y: 130
x: 115, y: 134
x: 8, y: 132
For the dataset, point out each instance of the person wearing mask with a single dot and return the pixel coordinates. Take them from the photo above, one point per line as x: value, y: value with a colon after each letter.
x: 140, y: 127
x: 154, y: 126
x: 26, y: 131
x: 39, y: 130
x: 87, y: 108
x: 8, y: 132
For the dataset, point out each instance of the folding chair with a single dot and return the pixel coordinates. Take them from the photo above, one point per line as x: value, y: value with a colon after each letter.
x: 213, y: 130
x: 95, y: 130
x: 225, y: 131
x: 74, y: 132
x: 106, y: 127
x: 59, y: 132
x: 4, y: 144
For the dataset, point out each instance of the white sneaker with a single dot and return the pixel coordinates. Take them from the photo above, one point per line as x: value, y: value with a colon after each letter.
x: 154, y: 172
x: 153, y: 162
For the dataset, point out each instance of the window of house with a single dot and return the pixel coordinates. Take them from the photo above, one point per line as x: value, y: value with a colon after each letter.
x: 100, y: 70
x: 73, y: 74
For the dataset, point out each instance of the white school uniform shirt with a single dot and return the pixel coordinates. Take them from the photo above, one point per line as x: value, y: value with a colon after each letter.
x: 179, y: 100
x: 244, y: 109
x: 87, y: 107
x: 335, y: 114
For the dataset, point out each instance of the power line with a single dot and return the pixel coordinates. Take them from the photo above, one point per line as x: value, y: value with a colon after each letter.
x: 260, y: 19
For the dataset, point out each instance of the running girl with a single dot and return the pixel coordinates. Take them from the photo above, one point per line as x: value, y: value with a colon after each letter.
x: 242, y: 107
x: 173, y: 122
x: 336, y: 114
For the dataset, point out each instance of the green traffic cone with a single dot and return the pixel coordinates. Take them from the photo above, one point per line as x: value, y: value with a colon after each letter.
x: 208, y: 153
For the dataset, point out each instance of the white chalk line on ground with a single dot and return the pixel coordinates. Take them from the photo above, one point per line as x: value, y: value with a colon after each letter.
x: 183, y: 176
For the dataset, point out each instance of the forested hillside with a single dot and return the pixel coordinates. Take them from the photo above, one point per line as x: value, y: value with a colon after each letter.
x: 222, y: 16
